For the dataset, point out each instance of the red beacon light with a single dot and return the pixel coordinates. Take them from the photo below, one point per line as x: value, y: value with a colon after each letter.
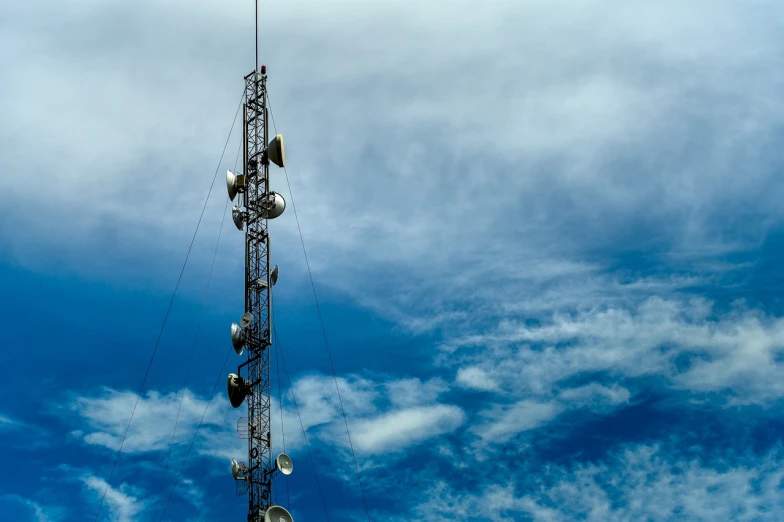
x: 263, y: 69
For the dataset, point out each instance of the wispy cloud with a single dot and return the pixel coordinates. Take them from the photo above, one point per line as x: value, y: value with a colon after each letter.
x: 595, y: 394
x: 687, y: 343
x: 405, y: 427
x: 501, y: 422
x: 385, y: 416
x: 525, y: 415
x: 8, y: 423
x: 638, y: 483
x: 125, y: 502
x: 106, y: 417
x: 35, y: 510
x: 476, y: 378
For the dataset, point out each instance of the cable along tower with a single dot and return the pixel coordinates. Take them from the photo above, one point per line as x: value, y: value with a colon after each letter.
x: 257, y: 204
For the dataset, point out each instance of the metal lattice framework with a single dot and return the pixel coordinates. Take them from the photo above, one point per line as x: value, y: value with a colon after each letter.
x: 251, y: 383
x: 260, y: 468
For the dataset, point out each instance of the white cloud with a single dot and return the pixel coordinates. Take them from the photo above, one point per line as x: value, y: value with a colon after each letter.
x: 527, y: 364
x: 106, y: 419
x: 595, y: 394
x: 124, y: 503
x: 548, y: 147
x: 319, y: 403
x: 504, y: 422
x: 500, y: 423
x: 476, y: 378
x: 36, y: 511
x: 410, y: 392
x: 9, y: 423
x: 405, y: 427
x: 384, y: 416
x: 735, y: 351
x: 641, y: 483
x: 224, y: 444
x: 191, y: 491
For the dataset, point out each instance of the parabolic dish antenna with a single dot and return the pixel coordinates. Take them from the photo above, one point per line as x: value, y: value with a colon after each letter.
x: 277, y: 514
x: 236, y: 390
x: 231, y: 185
x: 284, y: 464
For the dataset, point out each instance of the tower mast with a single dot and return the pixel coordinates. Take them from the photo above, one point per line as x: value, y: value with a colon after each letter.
x: 257, y: 205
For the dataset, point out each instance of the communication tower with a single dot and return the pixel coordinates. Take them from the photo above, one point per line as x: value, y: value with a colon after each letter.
x: 256, y: 205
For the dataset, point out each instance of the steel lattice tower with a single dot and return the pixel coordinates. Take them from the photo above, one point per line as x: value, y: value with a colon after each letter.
x: 257, y: 293
x: 255, y: 329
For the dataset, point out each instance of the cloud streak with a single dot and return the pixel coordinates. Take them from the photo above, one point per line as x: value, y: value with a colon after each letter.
x: 405, y: 427
x: 386, y: 416
x: 125, y: 503
x: 36, y: 511
x: 106, y: 418
x: 688, y: 343
x: 638, y: 483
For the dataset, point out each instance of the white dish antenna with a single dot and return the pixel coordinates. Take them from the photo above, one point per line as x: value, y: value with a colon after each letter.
x: 277, y: 514
x: 231, y: 185
x: 276, y: 154
x: 237, y: 338
x: 235, y: 469
x: 275, y: 205
x: 238, y: 216
x: 284, y: 464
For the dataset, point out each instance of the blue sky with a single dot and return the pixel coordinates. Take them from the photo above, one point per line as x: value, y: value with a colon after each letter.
x: 545, y: 236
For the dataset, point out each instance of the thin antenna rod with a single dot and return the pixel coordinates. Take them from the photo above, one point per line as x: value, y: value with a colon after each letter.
x: 257, y: 35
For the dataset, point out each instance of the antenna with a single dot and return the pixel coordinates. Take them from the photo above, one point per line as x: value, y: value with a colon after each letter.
x: 255, y: 204
x: 237, y: 389
x: 233, y: 184
x: 239, y: 217
x: 243, y: 427
x: 239, y: 470
x: 284, y: 464
x: 277, y: 514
